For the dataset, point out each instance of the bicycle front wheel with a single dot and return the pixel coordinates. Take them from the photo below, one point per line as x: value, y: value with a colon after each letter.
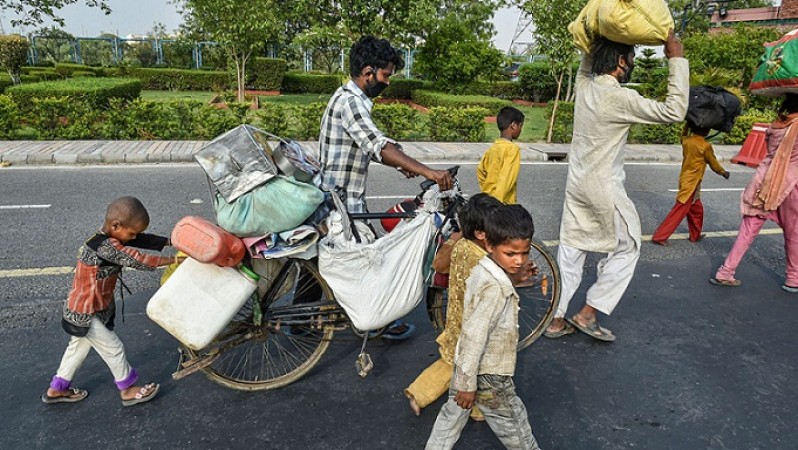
x: 277, y: 340
x: 539, y: 297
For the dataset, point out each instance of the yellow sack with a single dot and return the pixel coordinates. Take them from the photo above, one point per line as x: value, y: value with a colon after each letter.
x: 584, y: 28
x: 632, y: 22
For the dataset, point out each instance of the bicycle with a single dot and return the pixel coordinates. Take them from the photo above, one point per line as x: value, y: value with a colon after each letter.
x: 274, y: 340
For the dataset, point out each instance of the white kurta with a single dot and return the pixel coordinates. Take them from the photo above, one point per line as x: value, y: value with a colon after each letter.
x: 603, y: 113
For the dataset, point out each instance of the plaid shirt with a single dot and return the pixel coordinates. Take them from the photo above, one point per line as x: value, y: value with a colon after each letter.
x: 487, y: 344
x: 348, y: 141
x: 100, y: 260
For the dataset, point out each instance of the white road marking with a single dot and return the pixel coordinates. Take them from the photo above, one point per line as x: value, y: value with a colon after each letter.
x: 35, y: 272
x: 50, y: 271
x: 24, y: 206
x: 389, y: 197
x: 685, y: 236
x: 714, y: 190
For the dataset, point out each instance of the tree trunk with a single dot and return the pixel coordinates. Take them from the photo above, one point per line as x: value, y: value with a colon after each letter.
x: 570, y: 91
x: 554, y: 107
x: 14, y: 74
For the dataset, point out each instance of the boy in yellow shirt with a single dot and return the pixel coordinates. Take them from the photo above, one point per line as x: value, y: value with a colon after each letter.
x: 497, y: 172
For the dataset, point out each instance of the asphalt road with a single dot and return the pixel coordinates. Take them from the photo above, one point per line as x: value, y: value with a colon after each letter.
x: 695, y: 366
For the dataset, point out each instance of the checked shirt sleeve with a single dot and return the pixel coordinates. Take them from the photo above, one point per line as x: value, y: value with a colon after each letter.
x: 356, y: 119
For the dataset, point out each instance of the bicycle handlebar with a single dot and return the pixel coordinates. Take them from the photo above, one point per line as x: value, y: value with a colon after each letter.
x: 426, y: 184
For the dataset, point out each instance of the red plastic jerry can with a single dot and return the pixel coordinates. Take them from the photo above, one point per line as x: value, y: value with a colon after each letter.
x: 207, y: 242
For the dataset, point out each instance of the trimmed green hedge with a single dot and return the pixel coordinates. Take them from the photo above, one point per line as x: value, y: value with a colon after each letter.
x: 403, y: 88
x: 181, y: 79
x: 433, y: 98
x: 266, y: 73
x: 44, y: 74
x: 9, y: 117
x: 95, y: 91
x: 307, y: 120
x: 66, y: 70
x: 744, y: 124
x: 305, y: 83
x: 457, y: 124
x: 656, y: 134
x: 5, y: 82
x: 272, y: 117
x: 396, y: 120
x: 508, y: 90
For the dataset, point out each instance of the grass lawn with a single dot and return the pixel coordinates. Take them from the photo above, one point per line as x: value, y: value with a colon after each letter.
x: 535, y: 125
x: 295, y: 99
x: 163, y: 96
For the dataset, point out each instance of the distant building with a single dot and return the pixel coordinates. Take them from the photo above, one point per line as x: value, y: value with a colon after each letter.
x: 783, y: 16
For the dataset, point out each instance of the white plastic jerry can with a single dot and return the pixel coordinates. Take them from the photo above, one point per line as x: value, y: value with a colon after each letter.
x: 199, y: 300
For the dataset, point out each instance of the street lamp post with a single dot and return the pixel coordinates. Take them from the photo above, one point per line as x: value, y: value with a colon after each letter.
x: 709, y: 8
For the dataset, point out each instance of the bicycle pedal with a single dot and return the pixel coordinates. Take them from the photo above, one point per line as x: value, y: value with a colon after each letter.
x: 364, y: 364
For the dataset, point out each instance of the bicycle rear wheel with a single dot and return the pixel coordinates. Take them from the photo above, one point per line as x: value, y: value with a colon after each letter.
x: 539, y: 297
x: 275, y: 341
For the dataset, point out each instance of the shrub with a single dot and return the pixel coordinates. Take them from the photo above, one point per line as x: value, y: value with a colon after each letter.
x: 5, y: 82
x: 537, y: 81
x: 502, y: 89
x: 307, y: 119
x: 9, y: 117
x: 97, y: 92
x: 210, y: 122
x: 403, y: 88
x: 13, y: 54
x: 66, y: 70
x: 181, y: 79
x: 563, y: 129
x: 457, y: 124
x: 266, y: 73
x: 303, y: 83
x: 141, y: 119
x: 396, y: 120
x: 61, y: 118
x: 272, y: 117
x: 656, y: 134
x: 83, y: 73
x: 433, y: 98
x: 744, y: 124
x: 44, y: 75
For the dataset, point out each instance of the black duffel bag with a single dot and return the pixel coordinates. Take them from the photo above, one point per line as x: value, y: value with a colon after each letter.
x: 713, y: 107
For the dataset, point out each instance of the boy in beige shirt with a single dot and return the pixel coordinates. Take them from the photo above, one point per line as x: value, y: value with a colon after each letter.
x: 485, y: 356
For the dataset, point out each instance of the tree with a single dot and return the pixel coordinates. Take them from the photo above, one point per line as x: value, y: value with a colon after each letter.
x: 453, y: 55
x: 53, y: 44
x: 554, y: 40
x: 13, y: 54
x: 239, y: 27
x: 694, y: 15
x: 34, y: 12
x: 738, y: 50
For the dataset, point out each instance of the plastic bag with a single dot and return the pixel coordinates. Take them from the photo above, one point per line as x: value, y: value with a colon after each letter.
x: 777, y: 73
x: 632, y: 22
x: 378, y: 282
x: 279, y: 205
x: 713, y: 107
